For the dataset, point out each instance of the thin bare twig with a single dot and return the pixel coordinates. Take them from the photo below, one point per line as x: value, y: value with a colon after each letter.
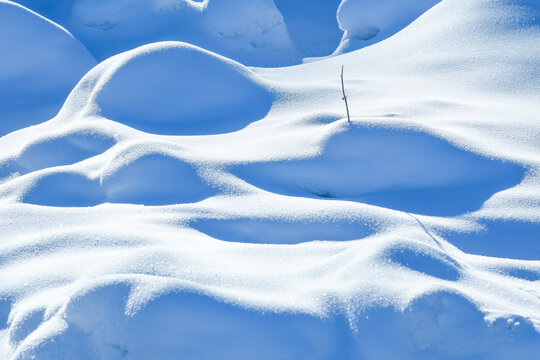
x: 344, y: 96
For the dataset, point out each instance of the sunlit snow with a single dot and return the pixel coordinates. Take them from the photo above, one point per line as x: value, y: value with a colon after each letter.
x: 179, y: 180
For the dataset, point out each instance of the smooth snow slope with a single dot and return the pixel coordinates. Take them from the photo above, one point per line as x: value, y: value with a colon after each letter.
x: 411, y: 232
x: 367, y: 22
x: 40, y: 63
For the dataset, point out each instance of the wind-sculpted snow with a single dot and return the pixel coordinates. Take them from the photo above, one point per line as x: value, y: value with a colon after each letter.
x: 183, y: 204
x: 366, y: 22
x: 311, y: 25
x: 39, y: 65
x: 149, y: 180
x: 56, y: 151
x: 252, y: 32
x: 174, y: 88
x: 494, y: 237
x: 283, y: 231
x: 186, y: 320
x: 394, y: 168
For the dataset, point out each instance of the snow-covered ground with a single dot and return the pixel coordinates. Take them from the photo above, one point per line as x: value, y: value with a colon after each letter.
x: 180, y: 203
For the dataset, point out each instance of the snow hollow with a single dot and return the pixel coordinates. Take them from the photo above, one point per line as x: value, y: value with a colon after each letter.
x: 179, y: 179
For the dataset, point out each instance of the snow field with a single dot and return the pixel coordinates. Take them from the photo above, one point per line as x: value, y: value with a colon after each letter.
x: 274, y: 229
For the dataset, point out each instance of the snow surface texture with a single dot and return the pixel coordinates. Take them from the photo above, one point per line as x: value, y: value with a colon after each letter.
x: 366, y: 22
x: 34, y: 79
x: 254, y: 32
x: 251, y: 31
x: 181, y: 204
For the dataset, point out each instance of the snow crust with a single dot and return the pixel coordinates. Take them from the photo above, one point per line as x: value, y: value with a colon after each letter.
x: 181, y: 203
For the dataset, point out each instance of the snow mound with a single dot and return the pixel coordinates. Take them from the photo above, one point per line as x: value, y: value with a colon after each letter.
x: 279, y: 230
x: 367, y: 22
x: 187, y: 322
x: 156, y: 180
x: 429, y: 326
x: 175, y: 88
x: 438, y: 324
x: 150, y: 180
x: 395, y: 168
x: 55, y: 151
x: 312, y: 25
x: 252, y: 32
x: 254, y: 26
x: 41, y: 62
x: 65, y: 189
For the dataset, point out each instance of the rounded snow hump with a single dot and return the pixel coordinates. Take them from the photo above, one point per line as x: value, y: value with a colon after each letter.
x: 40, y: 62
x: 174, y: 88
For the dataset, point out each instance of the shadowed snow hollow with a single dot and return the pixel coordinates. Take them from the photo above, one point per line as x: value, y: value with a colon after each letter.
x: 40, y: 63
x: 444, y: 122
x: 174, y: 88
x: 151, y: 180
x: 395, y: 168
x: 312, y: 25
x: 366, y: 22
x: 56, y: 151
x: 250, y: 31
x: 279, y: 231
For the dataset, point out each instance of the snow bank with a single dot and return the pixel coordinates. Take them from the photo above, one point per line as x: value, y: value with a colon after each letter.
x: 252, y: 32
x: 40, y: 64
x: 276, y: 229
x: 149, y: 180
x: 256, y: 23
x: 189, y: 322
x: 312, y: 25
x: 395, y: 168
x: 367, y: 22
x: 176, y: 88
x: 51, y: 152
x: 256, y: 33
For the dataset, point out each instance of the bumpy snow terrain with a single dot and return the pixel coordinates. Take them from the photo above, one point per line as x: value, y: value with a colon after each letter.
x: 163, y: 198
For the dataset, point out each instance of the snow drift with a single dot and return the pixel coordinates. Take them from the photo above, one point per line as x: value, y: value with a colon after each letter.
x: 175, y: 88
x: 394, y: 168
x: 183, y: 203
x: 255, y: 32
x: 40, y: 64
x: 252, y: 32
x: 366, y: 22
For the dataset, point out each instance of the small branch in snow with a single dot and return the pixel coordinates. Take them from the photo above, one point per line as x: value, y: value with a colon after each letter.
x: 344, y: 96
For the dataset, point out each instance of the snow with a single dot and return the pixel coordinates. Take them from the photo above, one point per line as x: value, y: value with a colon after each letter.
x: 312, y: 26
x: 250, y: 31
x: 173, y: 201
x: 367, y: 22
x: 197, y: 97
x: 395, y: 168
x: 35, y: 80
